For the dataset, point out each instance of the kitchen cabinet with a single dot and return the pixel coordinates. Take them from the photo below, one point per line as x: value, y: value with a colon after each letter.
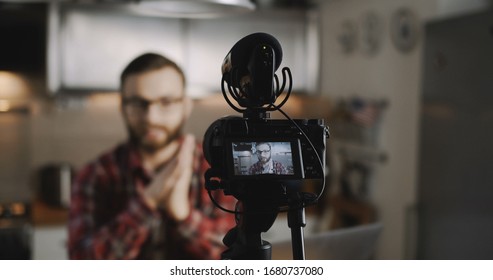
x: 49, y: 232
x: 50, y: 242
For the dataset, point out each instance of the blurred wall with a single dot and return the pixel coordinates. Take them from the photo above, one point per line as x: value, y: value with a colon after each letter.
x: 392, y: 75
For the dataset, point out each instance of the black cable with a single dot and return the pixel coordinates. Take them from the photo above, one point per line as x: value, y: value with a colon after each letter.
x: 288, y: 93
x: 219, y: 206
x: 312, y: 146
x: 226, y: 96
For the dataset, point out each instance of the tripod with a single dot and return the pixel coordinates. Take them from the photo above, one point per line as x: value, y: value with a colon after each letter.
x: 244, y: 241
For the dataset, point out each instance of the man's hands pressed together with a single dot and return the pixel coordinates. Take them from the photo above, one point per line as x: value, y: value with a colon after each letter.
x: 170, y: 186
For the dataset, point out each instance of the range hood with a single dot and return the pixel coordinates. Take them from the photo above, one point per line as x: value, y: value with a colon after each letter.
x: 184, y: 8
x: 166, y: 8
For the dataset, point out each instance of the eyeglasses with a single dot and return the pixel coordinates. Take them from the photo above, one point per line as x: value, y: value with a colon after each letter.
x: 141, y: 105
x: 263, y: 152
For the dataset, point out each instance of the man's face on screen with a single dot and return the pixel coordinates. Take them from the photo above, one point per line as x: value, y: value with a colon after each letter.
x: 263, y: 153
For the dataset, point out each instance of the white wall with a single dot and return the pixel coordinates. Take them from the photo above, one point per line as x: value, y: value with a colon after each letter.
x: 396, y: 77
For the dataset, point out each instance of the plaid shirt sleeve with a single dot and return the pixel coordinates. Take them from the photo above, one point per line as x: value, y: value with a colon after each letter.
x: 279, y: 168
x: 119, y: 238
x: 200, y: 235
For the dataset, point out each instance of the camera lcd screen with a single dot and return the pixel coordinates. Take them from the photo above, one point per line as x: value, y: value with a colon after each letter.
x: 265, y: 157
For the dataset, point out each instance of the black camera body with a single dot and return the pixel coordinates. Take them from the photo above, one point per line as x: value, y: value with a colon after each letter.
x: 230, y: 147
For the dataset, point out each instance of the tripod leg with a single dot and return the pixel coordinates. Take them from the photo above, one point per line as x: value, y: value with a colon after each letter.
x: 296, y: 222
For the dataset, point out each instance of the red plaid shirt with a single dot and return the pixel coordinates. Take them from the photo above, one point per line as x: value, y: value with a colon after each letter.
x: 258, y: 168
x: 109, y: 220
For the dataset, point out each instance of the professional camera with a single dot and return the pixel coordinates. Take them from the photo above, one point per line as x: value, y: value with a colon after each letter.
x: 262, y: 162
x: 232, y: 145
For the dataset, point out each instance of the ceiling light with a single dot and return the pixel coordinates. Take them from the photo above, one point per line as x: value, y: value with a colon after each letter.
x: 4, y: 105
x: 196, y: 8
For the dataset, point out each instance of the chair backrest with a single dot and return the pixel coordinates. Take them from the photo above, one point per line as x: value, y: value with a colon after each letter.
x: 354, y: 243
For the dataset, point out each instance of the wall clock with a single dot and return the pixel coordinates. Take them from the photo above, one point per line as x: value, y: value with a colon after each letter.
x: 404, y: 29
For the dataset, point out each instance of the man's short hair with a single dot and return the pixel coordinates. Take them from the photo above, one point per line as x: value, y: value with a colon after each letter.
x: 148, y: 62
x: 263, y: 143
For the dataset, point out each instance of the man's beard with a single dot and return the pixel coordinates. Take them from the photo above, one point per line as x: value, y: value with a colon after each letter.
x: 264, y: 160
x: 172, y: 135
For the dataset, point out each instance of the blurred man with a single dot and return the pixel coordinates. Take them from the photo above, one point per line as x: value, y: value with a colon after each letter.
x: 145, y: 198
x: 265, y: 164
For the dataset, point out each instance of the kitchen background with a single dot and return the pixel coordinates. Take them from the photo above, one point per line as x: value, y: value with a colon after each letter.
x: 404, y: 85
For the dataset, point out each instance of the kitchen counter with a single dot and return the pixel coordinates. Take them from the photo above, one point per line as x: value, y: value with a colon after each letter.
x: 46, y: 215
